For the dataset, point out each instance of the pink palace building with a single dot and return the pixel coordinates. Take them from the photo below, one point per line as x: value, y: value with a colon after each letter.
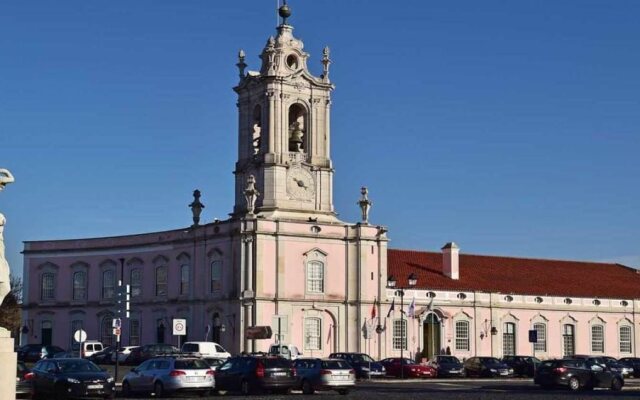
x: 285, y: 260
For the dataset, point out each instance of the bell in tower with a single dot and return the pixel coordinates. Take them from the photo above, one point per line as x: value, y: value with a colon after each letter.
x: 283, y: 131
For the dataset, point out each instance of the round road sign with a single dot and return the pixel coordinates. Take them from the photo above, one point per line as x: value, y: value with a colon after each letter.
x: 80, y: 335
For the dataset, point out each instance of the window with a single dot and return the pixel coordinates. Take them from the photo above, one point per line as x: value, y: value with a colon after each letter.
x: 315, y: 277
x: 541, y: 344
x: 399, y: 334
x: 108, y: 284
x: 462, y: 335
x: 509, y: 339
x: 47, y: 286
x: 568, y: 301
x: 216, y: 275
x: 312, y: 327
x: 106, y: 331
x: 431, y: 295
x: 508, y: 299
x: 597, y: 339
x: 625, y: 339
x: 161, y: 281
x: 136, y: 282
x: 461, y: 296
x: 134, y: 332
x: 184, y: 279
x: 596, y: 302
x: 79, y: 285
x: 538, y: 300
x: 568, y: 340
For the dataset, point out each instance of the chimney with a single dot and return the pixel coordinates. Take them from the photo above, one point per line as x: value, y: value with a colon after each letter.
x: 450, y: 264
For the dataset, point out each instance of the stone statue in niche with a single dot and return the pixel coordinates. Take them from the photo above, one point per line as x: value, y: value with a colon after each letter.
x: 5, y: 285
x: 295, y: 137
x: 257, y: 130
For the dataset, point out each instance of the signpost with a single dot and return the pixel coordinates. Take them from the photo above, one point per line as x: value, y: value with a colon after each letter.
x: 533, y: 339
x: 179, y: 328
x: 80, y: 336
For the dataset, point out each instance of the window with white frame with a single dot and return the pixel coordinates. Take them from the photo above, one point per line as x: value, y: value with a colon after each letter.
x: 216, y: 275
x: 462, y: 336
x: 541, y: 330
x: 79, y: 285
x: 108, y: 284
x: 135, y: 282
x: 315, y: 277
x: 568, y: 340
x: 509, y: 339
x: 399, y: 334
x: 625, y: 338
x: 47, y: 286
x: 184, y: 279
x: 312, y: 333
x: 134, y: 332
x: 597, y: 338
x: 161, y: 281
x: 106, y: 330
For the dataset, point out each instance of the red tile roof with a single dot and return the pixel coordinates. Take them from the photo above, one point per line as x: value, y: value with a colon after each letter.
x: 518, y: 275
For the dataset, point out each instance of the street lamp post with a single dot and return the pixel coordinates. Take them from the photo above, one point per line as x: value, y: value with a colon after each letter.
x: 412, y: 280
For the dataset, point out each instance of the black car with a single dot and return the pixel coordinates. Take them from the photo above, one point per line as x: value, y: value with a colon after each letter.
x: 250, y: 374
x: 522, y: 365
x: 71, y: 377
x: 23, y: 379
x: 103, y: 356
x: 576, y: 374
x: 633, y: 362
x: 447, y: 366
x: 35, y: 352
x: 486, y: 367
x: 149, y: 351
x: 611, y: 363
x: 363, y: 364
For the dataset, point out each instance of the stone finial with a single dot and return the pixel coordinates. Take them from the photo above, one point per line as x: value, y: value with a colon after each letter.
x: 241, y: 64
x: 196, y: 207
x: 326, y: 61
x: 251, y: 194
x: 5, y: 178
x: 365, y: 204
x: 285, y: 12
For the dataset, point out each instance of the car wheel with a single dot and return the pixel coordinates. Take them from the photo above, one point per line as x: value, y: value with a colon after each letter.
x: 574, y: 384
x: 307, y: 387
x: 158, y: 389
x: 343, y: 391
x: 245, y: 387
x: 616, y: 384
x: 126, y: 389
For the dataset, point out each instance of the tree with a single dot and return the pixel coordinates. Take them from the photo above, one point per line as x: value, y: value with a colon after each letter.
x: 10, y: 315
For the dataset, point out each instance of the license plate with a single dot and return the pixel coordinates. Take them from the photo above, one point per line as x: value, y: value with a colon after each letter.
x: 341, y: 377
x: 94, y: 386
x: 194, y: 378
x: 278, y: 374
x: 504, y: 373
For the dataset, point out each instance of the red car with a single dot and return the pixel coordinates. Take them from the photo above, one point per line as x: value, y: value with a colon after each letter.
x: 409, y: 368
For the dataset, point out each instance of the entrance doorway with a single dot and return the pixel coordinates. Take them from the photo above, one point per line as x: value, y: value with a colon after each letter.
x: 46, y: 333
x: 431, y: 330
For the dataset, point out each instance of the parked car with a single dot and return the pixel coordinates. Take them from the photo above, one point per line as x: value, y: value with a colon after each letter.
x: 625, y: 369
x: 329, y: 374
x: 365, y: 366
x: 447, y: 366
x: 610, y: 362
x: 104, y: 356
x: 164, y: 375
x: 576, y: 374
x: 214, y: 363
x: 486, y: 367
x: 148, y: 351
x: 285, y: 350
x: 249, y: 374
x: 90, y: 347
x: 206, y: 349
x: 522, y: 365
x: 122, y: 354
x: 633, y: 362
x: 71, y: 377
x: 408, y: 368
x: 23, y: 379
x: 35, y: 352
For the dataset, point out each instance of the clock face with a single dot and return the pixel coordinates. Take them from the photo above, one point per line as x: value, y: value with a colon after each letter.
x: 300, y: 184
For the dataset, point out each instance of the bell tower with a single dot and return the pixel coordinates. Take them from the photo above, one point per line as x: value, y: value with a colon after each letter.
x: 283, y: 132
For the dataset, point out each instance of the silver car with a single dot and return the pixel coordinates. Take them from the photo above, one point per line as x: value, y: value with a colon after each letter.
x: 163, y: 375
x: 328, y: 374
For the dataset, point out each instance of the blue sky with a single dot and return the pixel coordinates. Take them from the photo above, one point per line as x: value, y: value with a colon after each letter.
x: 509, y: 127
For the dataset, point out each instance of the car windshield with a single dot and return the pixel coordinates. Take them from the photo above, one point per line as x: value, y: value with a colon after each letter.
x: 335, y: 364
x: 77, y: 366
x: 361, y: 358
x: 449, y: 360
x: 191, y: 364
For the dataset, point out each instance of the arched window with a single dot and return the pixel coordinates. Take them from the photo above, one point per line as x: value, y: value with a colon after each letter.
x: 161, y: 281
x: 136, y: 282
x: 399, y: 334
x: 108, y: 284
x: 313, y: 333
x: 106, y: 330
x: 462, y: 336
x: 184, y: 279
x: 625, y: 338
x: 256, y: 128
x: 597, y: 338
x: 79, y: 285
x: 134, y: 332
x: 297, y: 128
x: 47, y: 287
x: 509, y: 339
x: 568, y: 340
x: 216, y: 275
x: 315, y: 277
x: 541, y: 344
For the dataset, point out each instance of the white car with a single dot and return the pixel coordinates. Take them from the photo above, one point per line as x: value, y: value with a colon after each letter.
x: 206, y: 349
x: 122, y: 354
x: 289, y: 351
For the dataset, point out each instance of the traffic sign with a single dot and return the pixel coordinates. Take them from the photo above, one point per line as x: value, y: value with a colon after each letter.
x: 80, y: 336
x: 179, y: 327
x: 116, y: 323
x: 117, y: 331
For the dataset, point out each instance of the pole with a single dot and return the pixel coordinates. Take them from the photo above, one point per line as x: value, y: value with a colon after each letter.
x: 404, y: 333
x: 119, y: 313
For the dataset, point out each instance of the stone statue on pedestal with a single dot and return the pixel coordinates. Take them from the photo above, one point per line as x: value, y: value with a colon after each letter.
x: 5, y: 286
x: 8, y: 359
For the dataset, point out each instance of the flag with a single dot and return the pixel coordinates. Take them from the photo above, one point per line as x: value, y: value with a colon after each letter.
x: 411, y: 312
x: 373, y: 310
x: 393, y: 306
